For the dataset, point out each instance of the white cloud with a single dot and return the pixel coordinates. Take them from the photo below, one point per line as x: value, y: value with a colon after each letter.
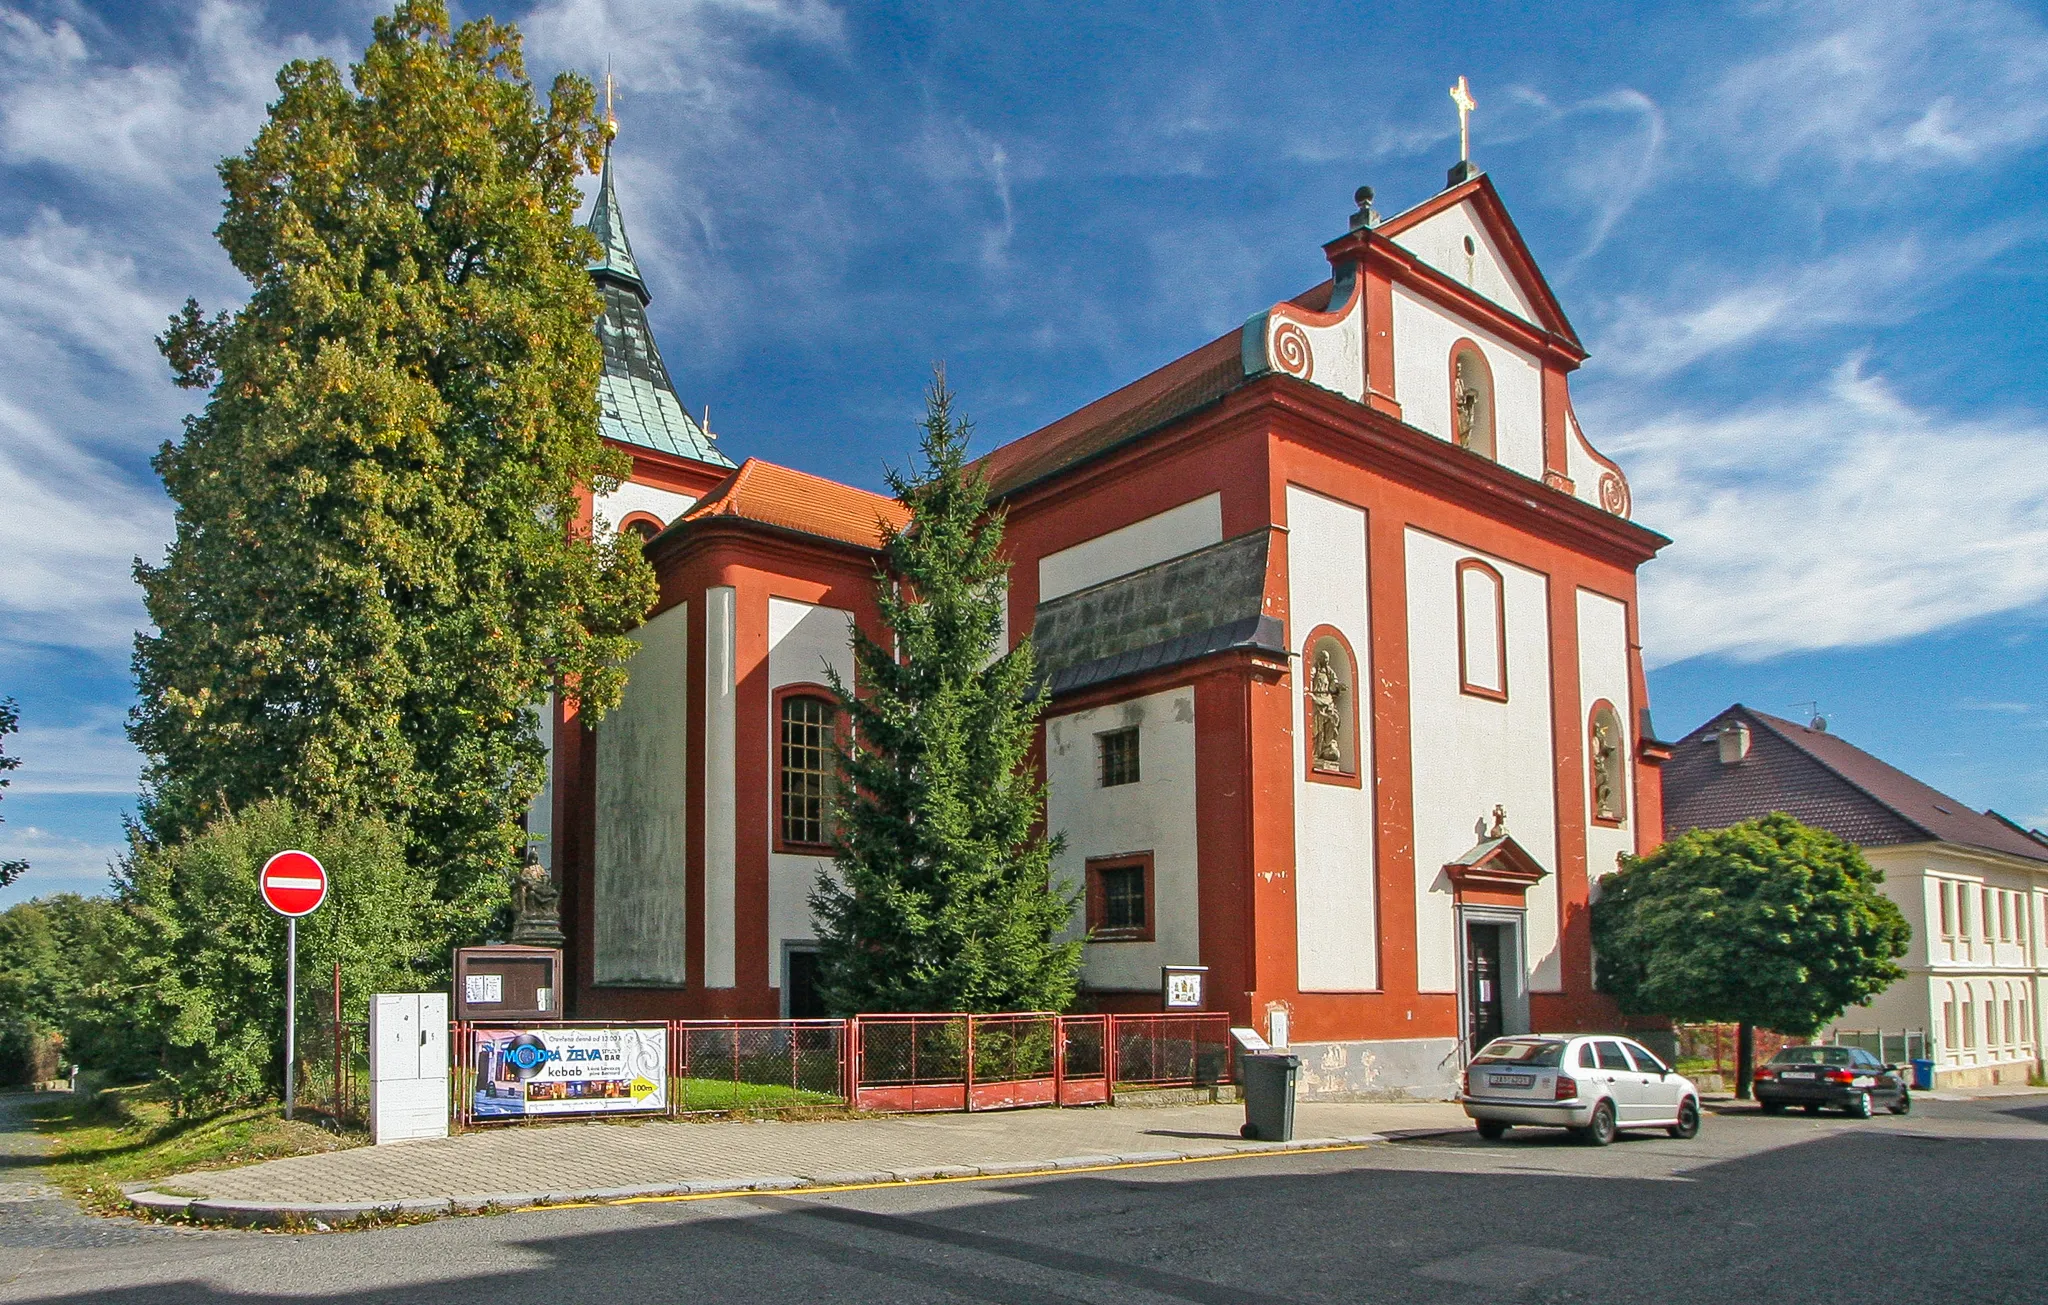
x: 87, y: 755
x: 57, y: 863
x: 1890, y: 84
x: 1843, y: 518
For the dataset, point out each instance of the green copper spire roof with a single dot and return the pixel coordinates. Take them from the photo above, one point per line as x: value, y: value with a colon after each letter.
x: 606, y: 223
x: 637, y: 402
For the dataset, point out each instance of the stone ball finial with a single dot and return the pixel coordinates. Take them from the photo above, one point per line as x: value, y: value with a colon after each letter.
x: 1365, y: 216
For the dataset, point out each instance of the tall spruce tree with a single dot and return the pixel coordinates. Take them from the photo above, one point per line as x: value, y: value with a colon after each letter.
x: 943, y: 898
x: 377, y: 573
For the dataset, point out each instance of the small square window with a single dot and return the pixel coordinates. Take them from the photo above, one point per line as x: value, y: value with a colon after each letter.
x: 1116, y: 757
x: 1120, y: 899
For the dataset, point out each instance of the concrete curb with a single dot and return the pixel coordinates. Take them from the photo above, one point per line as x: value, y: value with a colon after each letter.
x: 337, y: 1214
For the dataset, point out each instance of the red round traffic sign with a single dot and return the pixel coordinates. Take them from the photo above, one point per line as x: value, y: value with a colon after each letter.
x: 293, y: 883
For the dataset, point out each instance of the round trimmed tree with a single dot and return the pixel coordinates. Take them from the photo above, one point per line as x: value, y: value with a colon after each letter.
x: 1769, y: 923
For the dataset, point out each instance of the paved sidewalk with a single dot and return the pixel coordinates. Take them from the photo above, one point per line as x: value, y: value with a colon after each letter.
x: 524, y: 1165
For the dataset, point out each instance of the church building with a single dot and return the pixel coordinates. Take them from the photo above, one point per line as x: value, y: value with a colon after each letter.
x: 1338, y: 617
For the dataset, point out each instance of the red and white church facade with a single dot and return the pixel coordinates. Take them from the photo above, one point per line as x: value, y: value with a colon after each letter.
x: 1338, y: 614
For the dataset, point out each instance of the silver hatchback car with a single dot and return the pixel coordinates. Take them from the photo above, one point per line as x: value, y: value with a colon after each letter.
x: 1593, y: 1085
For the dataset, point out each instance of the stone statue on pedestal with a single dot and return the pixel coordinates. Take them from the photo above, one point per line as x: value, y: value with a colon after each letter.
x: 537, y: 917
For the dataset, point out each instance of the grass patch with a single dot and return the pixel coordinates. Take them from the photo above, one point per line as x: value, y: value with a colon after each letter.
x: 724, y: 1094
x: 127, y: 1135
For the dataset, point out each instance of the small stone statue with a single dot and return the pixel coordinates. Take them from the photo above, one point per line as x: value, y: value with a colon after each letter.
x: 1325, y: 694
x: 1500, y: 822
x: 537, y: 919
x: 1604, y: 770
x: 1465, y: 402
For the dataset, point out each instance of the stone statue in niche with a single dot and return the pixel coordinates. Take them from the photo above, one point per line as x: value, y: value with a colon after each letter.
x: 1464, y: 405
x: 1605, y: 754
x: 1326, y: 695
x: 537, y: 917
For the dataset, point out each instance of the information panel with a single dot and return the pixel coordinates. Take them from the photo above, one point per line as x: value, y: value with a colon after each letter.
x: 563, y: 1070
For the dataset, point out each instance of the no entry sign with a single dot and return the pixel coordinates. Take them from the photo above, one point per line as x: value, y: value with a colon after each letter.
x: 293, y: 883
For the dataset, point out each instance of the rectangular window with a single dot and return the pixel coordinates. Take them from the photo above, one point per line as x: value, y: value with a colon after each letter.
x: 1116, y: 757
x: 1482, y: 631
x: 807, y: 761
x: 1948, y: 1025
x: 2011, y: 1028
x: 1948, y: 909
x: 1969, y: 1024
x: 1987, y: 915
x: 1120, y: 898
x: 2004, y: 917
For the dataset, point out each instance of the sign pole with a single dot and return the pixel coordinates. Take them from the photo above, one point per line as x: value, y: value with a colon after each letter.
x: 291, y: 1009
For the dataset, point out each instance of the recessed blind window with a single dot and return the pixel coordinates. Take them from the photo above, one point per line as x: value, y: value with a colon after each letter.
x: 1117, y: 757
x: 806, y: 768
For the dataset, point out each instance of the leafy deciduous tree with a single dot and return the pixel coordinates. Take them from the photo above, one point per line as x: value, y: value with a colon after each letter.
x: 377, y: 569
x: 1767, y: 923
x: 209, y: 956
x: 942, y: 900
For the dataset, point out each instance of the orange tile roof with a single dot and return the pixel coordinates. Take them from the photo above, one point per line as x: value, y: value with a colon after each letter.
x: 795, y: 500
x: 1190, y: 381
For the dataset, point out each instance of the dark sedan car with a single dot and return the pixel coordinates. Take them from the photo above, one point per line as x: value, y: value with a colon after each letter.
x: 1849, y: 1078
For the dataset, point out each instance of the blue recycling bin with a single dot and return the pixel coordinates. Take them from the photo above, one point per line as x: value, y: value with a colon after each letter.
x: 1923, y: 1076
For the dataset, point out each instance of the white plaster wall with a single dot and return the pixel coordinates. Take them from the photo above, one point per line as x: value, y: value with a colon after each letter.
x: 540, y: 813
x: 1440, y: 242
x: 721, y: 791
x: 1470, y: 753
x: 1335, y: 912
x: 1177, y: 530
x: 1580, y: 464
x: 664, y: 504
x: 1423, y: 336
x: 642, y: 812
x: 803, y: 639
x: 1603, y: 673
x: 1156, y: 814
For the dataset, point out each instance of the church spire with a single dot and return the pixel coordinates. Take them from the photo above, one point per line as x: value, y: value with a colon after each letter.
x: 637, y: 402
x: 615, y: 252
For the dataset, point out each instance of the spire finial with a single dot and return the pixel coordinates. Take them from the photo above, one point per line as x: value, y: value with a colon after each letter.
x: 611, y: 122
x: 1461, y: 95
x: 1463, y: 171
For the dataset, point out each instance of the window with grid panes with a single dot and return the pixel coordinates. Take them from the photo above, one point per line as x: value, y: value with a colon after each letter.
x: 806, y: 768
x: 1116, y: 757
x: 1123, y: 898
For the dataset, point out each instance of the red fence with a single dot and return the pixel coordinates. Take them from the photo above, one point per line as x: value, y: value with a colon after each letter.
x: 893, y: 1063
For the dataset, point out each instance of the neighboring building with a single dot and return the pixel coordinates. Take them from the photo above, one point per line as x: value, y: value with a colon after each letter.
x: 1973, y: 885
x: 1316, y: 602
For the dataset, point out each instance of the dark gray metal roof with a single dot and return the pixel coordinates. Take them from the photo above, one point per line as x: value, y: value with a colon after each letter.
x: 1176, y: 611
x: 637, y: 402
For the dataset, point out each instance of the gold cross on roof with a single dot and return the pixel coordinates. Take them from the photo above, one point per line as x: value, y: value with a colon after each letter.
x: 1461, y: 95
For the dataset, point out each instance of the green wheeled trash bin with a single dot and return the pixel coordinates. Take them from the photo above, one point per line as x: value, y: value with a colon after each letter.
x: 1268, y: 1083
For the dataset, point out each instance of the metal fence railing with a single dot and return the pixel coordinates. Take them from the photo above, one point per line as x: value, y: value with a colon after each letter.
x: 892, y: 1063
x: 757, y: 1065
x: 1170, y: 1050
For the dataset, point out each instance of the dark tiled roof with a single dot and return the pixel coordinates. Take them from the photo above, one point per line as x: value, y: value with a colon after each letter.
x: 1172, y: 612
x: 637, y: 401
x: 1824, y: 781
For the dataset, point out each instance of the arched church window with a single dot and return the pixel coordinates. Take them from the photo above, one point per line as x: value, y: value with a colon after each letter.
x: 1330, y: 706
x: 805, y: 767
x: 1472, y: 400
x: 1605, y: 754
x: 1482, y: 631
x: 646, y: 527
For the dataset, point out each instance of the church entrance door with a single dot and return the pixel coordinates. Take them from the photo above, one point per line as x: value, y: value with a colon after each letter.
x: 1485, y: 1003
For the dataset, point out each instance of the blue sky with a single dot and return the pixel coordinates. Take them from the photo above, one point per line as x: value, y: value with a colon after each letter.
x: 1807, y: 245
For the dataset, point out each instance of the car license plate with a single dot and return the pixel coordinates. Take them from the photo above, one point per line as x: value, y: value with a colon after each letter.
x: 1795, y: 1075
x: 1512, y: 1080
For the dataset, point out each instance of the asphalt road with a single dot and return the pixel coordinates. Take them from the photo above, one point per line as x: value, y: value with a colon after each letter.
x: 1949, y: 1204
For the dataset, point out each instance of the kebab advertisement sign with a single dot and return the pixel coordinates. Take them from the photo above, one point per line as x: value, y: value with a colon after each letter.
x: 557, y: 1070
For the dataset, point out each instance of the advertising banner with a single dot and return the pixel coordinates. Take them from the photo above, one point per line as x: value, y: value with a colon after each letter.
x: 558, y: 1070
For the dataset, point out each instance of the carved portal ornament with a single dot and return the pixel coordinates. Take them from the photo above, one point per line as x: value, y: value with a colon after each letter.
x: 1326, y: 692
x: 1291, y: 351
x: 1614, y: 494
